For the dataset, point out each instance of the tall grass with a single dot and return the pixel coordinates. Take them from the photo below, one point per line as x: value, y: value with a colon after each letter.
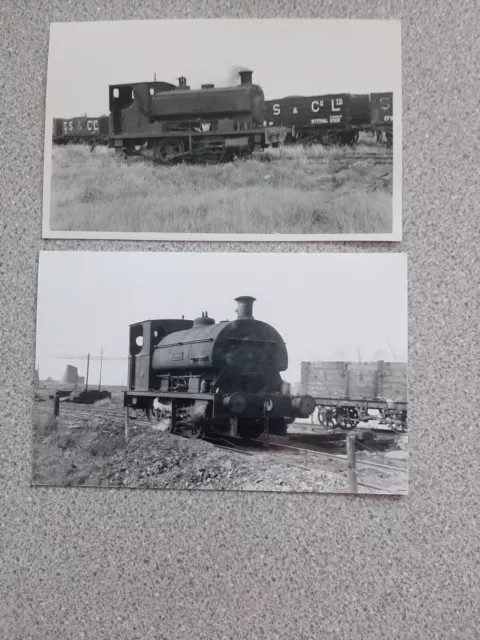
x: 299, y: 191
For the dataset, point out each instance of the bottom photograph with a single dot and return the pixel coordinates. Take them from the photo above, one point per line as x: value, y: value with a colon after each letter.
x: 222, y: 371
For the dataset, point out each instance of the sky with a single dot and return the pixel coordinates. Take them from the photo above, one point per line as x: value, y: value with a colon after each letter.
x: 325, y: 306
x: 288, y: 57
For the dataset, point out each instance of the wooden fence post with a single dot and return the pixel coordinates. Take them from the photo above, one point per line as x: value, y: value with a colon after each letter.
x: 56, y: 405
x: 126, y: 424
x: 351, y: 462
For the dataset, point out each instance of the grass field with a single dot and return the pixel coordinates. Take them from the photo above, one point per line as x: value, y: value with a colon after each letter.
x: 319, y: 190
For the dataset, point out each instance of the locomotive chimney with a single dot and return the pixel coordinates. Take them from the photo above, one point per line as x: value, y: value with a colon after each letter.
x: 245, y: 307
x: 182, y: 83
x: 246, y: 76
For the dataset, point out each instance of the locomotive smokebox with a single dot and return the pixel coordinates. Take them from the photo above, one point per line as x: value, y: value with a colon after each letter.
x: 246, y: 76
x: 245, y: 307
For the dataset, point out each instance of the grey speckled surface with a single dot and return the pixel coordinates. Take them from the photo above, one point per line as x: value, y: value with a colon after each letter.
x: 177, y: 566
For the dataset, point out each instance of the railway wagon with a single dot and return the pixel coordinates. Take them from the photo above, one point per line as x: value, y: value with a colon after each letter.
x: 381, y: 111
x: 329, y: 119
x: 172, y: 123
x: 345, y: 391
x: 201, y: 376
x: 81, y: 129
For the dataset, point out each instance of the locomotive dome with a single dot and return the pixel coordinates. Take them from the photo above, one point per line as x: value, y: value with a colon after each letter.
x: 203, y: 320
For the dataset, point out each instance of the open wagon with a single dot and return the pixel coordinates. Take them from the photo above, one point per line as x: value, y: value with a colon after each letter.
x: 347, y: 393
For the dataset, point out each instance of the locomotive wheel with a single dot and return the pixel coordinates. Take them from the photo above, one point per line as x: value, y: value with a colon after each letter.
x: 167, y: 151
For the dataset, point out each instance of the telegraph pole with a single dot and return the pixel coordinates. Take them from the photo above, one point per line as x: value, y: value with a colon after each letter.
x: 88, y: 367
x: 101, y: 362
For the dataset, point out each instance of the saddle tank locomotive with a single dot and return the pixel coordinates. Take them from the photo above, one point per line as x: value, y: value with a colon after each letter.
x: 198, y: 377
x: 171, y: 124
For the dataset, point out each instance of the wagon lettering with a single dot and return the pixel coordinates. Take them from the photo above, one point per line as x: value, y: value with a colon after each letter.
x: 388, y: 118
x: 276, y: 110
x: 337, y: 103
x: 92, y: 125
x: 316, y: 105
x: 335, y: 119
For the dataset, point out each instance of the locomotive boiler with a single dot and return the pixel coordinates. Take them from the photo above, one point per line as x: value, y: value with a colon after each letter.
x: 203, y: 376
x: 173, y: 123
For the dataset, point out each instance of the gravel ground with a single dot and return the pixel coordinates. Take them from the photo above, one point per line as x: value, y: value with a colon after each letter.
x: 91, y: 451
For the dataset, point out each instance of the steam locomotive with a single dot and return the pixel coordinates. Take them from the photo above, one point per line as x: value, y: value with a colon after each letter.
x: 169, y: 122
x: 201, y: 376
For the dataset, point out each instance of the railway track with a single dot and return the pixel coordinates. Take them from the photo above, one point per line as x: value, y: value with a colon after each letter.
x: 118, y: 414
x: 223, y: 441
x: 259, y: 445
x: 351, y: 160
x: 243, y: 447
x: 255, y: 446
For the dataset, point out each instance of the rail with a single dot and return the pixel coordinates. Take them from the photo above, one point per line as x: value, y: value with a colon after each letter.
x: 352, y: 462
x: 350, y: 457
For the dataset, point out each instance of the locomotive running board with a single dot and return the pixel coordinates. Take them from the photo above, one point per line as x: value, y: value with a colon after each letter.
x: 185, y: 134
x: 168, y: 394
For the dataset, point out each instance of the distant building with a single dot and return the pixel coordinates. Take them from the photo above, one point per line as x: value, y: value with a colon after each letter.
x: 71, y: 375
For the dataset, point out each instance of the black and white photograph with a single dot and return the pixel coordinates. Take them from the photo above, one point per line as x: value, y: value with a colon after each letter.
x: 272, y: 372
x: 260, y: 130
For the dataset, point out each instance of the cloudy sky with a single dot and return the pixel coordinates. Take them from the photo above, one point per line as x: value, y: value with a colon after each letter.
x: 325, y: 306
x: 288, y: 57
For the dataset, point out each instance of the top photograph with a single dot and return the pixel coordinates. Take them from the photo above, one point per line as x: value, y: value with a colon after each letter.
x: 224, y: 130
